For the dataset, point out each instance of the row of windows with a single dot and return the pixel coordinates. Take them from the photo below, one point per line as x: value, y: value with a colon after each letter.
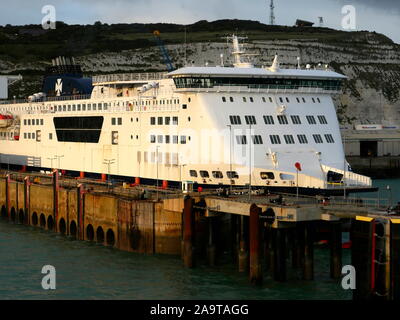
x: 289, y: 139
x: 167, y: 139
x: 282, y: 119
x: 161, y: 121
x: 30, y: 135
x: 281, y: 100
x: 33, y: 122
x: 235, y: 175
x: 255, y: 83
x: 84, y: 107
x: 215, y: 174
x: 117, y: 121
x: 257, y: 139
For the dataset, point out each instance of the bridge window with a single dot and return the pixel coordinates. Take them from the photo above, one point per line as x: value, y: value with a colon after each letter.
x: 244, y: 99
x: 152, y: 139
x: 257, y: 139
x: 322, y: 120
x: 282, y: 119
x: 250, y: 119
x: 311, y: 120
x: 317, y: 138
x: 289, y: 139
x: 160, y: 121
x: 183, y: 139
x: 269, y: 119
x: 329, y: 138
x: 295, y: 119
x: 152, y: 120
x: 175, y: 139
x: 231, y: 99
x: 235, y: 119
x: 193, y: 173
x: 113, y: 121
x: 223, y: 99
x: 302, y: 138
x: 204, y: 174
x: 267, y: 175
x: 160, y: 139
x: 167, y: 139
x: 275, y: 139
x: 217, y: 174
x: 175, y: 120
x: 232, y: 175
x: 241, y: 139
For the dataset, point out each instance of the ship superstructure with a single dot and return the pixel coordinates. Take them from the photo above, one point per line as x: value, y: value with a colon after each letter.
x: 212, y: 126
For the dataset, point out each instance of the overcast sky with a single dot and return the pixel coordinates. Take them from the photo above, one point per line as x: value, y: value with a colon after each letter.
x: 382, y: 16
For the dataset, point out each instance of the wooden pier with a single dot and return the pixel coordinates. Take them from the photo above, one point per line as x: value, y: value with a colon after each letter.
x: 266, y: 235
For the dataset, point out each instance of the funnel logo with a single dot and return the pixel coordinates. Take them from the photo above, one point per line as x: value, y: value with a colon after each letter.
x: 58, y: 88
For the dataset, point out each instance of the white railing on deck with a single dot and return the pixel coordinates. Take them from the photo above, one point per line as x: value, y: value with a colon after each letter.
x: 129, y: 77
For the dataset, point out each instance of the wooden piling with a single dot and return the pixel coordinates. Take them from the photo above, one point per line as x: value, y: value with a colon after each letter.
x: 395, y: 259
x: 81, y: 212
x: 298, y: 246
x: 8, y: 199
x: 256, y: 275
x: 27, y: 184
x: 55, y: 198
x: 308, y: 267
x: 211, y: 250
x: 363, y: 256
x: 279, y: 247
x: 336, y: 250
x: 188, y: 232
x: 243, y: 255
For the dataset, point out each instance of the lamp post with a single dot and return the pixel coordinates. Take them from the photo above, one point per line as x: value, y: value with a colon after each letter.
x: 51, y: 160
x: 230, y: 156
x: 109, y: 162
x: 344, y: 166
x: 250, y: 163
x: 158, y: 147
x: 390, y: 195
x: 58, y: 158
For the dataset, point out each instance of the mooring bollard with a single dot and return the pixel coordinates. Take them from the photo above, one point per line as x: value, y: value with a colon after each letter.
x: 188, y: 232
x: 256, y: 275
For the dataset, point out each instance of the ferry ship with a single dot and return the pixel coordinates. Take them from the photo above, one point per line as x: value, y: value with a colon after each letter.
x: 269, y: 128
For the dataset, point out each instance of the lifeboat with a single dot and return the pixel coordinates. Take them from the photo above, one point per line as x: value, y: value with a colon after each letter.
x: 6, y: 120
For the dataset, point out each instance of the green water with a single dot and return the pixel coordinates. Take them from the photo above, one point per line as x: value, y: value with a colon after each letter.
x: 90, y: 271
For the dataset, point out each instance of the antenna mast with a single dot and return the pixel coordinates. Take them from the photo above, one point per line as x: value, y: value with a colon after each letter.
x: 272, y: 15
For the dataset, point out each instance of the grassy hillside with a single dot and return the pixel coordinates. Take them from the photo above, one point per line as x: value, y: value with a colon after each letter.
x: 31, y: 43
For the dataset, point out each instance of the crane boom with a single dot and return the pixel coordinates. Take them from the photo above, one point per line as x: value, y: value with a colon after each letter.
x: 164, y: 52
